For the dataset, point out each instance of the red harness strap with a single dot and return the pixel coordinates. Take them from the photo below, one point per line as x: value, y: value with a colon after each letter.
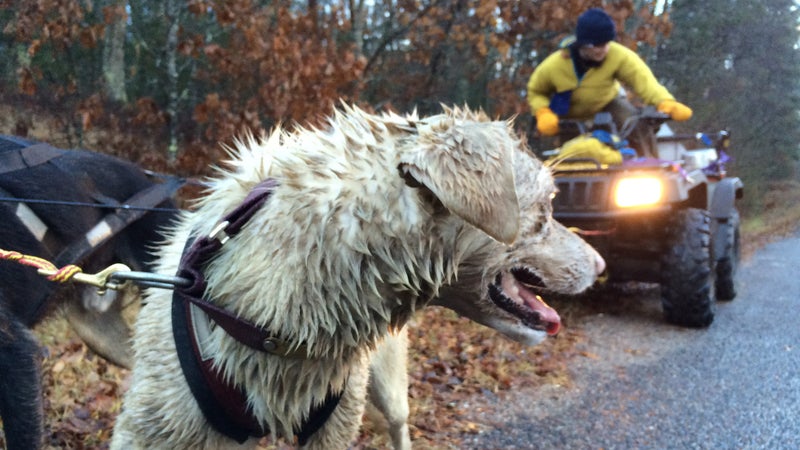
x: 223, y: 405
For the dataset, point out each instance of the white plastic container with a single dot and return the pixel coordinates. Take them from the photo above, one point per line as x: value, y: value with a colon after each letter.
x: 698, y: 159
x: 669, y: 151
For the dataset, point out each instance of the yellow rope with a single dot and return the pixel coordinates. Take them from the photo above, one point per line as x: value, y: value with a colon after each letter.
x: 61, y: 275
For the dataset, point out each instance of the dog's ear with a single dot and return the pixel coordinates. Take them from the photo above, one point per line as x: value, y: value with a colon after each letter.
x: 468, y: 166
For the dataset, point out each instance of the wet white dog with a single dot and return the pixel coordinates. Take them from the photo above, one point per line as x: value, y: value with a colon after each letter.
x: 363, y: 222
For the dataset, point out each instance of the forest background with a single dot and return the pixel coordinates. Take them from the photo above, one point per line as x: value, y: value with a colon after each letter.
x: 164, y: 82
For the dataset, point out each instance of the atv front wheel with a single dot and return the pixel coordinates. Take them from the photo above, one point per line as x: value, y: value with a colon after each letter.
x: 727, y: 235
x: 686, y: 275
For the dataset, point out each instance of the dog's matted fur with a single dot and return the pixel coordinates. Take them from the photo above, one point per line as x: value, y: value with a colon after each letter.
x: 373, y: 217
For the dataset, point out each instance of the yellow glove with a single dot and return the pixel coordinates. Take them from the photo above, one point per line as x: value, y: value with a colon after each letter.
x: 677, y: 111
x: 546, y: 121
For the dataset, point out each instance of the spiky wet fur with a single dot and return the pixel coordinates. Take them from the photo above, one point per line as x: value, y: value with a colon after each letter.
x: 372, y: 217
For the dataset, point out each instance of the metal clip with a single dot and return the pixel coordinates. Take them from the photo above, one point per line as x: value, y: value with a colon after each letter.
x: 219, y: 233
x: 147, y: 279
x: 100, y: 280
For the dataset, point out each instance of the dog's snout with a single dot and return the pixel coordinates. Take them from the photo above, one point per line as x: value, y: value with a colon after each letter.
x: 599, y: 264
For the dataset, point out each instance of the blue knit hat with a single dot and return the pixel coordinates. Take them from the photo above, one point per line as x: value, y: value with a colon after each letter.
x: 595, y: 27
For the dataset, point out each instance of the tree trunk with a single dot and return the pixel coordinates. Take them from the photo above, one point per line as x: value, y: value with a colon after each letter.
x: 357, y: 19
x: 171, y: 51
x: 114, y: 53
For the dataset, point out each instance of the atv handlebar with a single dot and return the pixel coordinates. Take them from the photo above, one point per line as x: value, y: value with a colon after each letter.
x: 720, y: 140
x: 647, y: 114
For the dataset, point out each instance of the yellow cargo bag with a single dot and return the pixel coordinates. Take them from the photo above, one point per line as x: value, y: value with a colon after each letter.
x: 586, y: 146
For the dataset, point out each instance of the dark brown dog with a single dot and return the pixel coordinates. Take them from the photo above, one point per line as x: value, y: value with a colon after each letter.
x: 56, y: 204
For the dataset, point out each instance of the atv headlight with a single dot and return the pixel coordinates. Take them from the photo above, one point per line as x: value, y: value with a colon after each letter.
x: 639, y: 191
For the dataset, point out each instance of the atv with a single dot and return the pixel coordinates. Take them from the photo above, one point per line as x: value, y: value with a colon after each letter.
x: 668, y: 218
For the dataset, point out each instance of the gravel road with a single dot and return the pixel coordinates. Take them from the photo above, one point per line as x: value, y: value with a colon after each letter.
x: 643, y: 384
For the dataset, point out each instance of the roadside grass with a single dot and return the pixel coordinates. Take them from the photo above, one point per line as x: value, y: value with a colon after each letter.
x: 779, y: 217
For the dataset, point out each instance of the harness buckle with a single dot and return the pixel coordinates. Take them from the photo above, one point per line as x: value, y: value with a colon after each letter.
x: 101, y: 280
x: 270, y: 344
x: 219, y: 233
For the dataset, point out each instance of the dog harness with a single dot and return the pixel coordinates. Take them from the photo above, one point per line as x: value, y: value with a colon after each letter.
x: 22, y: 154
x: 17, y: 154
x: 223, y: 404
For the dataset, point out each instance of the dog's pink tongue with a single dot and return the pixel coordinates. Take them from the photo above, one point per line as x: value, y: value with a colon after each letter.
x: 547, y: 315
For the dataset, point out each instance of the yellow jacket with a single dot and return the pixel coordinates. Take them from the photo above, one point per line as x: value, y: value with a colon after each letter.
x: 599, y: 85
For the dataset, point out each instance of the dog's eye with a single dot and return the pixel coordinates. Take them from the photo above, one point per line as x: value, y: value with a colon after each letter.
x: 553, y: 195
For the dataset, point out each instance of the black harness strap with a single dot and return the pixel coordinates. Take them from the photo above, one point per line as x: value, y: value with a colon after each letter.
x: 50, y: 243
x: 18, y: 154
x: 223, y: 405
x: 26, y: 157
x: 82, y: 248
x: 128, y: 212
x: 219, y: 401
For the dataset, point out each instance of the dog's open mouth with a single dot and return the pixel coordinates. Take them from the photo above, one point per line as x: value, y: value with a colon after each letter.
x: 514, y: 293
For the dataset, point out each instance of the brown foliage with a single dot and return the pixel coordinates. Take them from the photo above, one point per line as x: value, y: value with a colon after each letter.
x: 271, y: 62
x: 279, y: 65
x: 60, y: 22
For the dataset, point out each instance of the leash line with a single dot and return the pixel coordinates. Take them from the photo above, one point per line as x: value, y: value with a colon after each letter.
x: 115, y: 276
x: 44, y: 266
x: 86, y: 204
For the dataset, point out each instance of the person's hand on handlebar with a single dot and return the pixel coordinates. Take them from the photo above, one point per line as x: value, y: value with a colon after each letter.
x: 546, y: 121
x: 676, y: 110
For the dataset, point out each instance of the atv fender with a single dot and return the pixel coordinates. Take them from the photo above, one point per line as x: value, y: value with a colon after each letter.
x: 722, y: 209
x: 726, y: 192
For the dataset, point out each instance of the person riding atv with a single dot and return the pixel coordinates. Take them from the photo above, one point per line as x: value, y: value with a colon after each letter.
x: 656, y: 210
x: 583, y: 78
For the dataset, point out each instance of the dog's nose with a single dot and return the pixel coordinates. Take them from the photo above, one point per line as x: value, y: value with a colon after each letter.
x: 599, y: 264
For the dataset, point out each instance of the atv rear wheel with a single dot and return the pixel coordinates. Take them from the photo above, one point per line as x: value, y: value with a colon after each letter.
x: 727, y: 235
x: 686, y: 275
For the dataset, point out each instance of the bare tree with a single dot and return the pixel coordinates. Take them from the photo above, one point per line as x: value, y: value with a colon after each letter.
x: 172, y: 9
x: 114, y: 50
